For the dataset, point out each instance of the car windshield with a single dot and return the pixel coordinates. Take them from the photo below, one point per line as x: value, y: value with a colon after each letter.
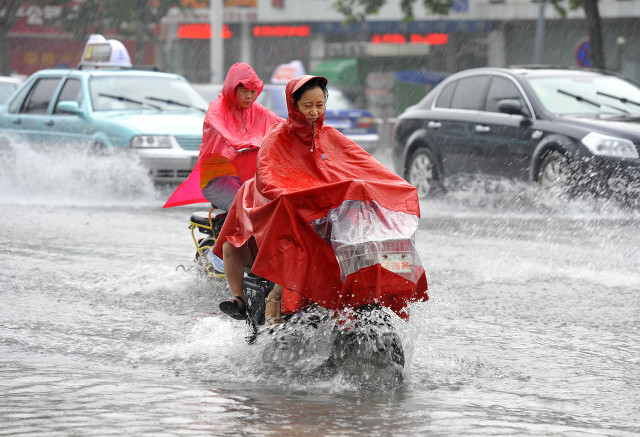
x: 587, y: 95
x: 121, y: 92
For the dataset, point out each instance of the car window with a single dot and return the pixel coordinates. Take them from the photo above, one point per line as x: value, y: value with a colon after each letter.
x: 122, y: 92
x: 469, y: 92
x: 502, y: 88
x: 444, y: 99
x: 71, y: 90
x: 14, y: 105
x: 587, y: 94
x: 40, y: 95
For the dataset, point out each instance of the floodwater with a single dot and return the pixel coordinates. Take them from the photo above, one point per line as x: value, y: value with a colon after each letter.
x: 532, y: 329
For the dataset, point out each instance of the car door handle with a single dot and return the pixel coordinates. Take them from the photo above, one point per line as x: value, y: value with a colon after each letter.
x: 49, y: 123
x: 482, y: 128
x: 434, y: 124
x: 17, y: 121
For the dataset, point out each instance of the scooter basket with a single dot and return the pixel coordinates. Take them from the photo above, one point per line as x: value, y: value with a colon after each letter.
x: 396, y: 256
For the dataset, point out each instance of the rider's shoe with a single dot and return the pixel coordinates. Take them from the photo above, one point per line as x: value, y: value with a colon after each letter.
x: 232, y: 308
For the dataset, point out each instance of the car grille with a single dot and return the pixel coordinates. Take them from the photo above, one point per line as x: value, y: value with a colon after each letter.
x: 189, y: 142
x: 170, y: 174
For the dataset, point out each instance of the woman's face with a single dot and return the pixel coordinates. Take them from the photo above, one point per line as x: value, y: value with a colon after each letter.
x: 245, y: 97
x: 312, y: 104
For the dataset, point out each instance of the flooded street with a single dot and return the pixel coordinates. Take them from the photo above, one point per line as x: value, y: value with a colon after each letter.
x: 105, y: 328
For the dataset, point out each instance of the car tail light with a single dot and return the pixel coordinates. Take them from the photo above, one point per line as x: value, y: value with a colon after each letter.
x: 366, y: 122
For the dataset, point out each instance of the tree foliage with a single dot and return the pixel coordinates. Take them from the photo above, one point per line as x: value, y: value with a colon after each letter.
x: 594, y: 24
x: 8, y: 13
x: 359, y: 9
x: 129, y: 18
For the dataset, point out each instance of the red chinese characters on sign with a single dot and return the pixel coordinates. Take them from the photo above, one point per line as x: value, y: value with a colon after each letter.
x: 432, y: 39
x: 389, y: 38
x: 268, y: 31
x: 200, y: 31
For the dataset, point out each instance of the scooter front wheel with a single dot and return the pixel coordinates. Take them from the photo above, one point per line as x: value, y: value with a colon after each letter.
x: 371, y: 341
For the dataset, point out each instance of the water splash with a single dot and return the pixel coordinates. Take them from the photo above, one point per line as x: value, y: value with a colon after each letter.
x: 63, y: 175
x: 486, y: 196
x: 311, y: 351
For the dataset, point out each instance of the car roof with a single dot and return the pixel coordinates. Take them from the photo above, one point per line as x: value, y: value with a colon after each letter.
x: 102, y: 72
x: 536, y: 71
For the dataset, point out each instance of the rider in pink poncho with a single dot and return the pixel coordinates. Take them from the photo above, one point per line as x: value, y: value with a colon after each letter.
x: 232, y: 133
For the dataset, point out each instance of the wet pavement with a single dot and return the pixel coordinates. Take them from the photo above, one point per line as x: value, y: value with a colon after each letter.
x: 105, y: 328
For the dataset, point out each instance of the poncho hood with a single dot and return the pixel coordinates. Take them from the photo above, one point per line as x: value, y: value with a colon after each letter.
x: 239, y: 73
x: 297, y: 120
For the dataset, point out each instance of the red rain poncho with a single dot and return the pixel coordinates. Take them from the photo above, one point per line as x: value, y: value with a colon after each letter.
x: 227, y: 129
x: 306, y: 173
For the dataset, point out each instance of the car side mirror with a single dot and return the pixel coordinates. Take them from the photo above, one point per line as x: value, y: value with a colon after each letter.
x: 69, y: 107
x: 514, y: 107
x: 510, y: 106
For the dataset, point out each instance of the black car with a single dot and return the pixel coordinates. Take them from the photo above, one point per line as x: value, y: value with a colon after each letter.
x: 571, y: 130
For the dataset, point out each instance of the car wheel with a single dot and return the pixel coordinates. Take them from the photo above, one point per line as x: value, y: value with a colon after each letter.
x: 422, y: 173
x: 98, y: 148
x: 554, y: 174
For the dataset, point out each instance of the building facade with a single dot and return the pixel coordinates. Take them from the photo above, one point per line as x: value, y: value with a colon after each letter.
x: 475, y: 33
x: 396, y: 62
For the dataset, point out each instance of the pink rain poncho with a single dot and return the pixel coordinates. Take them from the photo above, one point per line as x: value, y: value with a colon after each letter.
x: 227, y: 130
x: 333, y: 226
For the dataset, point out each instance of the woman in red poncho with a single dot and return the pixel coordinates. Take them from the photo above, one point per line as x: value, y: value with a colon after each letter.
x: 315, y: 194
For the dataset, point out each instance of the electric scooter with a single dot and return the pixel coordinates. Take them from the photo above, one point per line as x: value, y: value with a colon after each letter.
x: 365, y: 332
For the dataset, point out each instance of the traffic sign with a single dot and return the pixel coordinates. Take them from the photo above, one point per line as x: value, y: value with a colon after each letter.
x: 582, y: 53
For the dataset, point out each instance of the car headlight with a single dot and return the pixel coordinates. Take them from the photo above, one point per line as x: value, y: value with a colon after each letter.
x: 153, y: 142
x: 604, y: 145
